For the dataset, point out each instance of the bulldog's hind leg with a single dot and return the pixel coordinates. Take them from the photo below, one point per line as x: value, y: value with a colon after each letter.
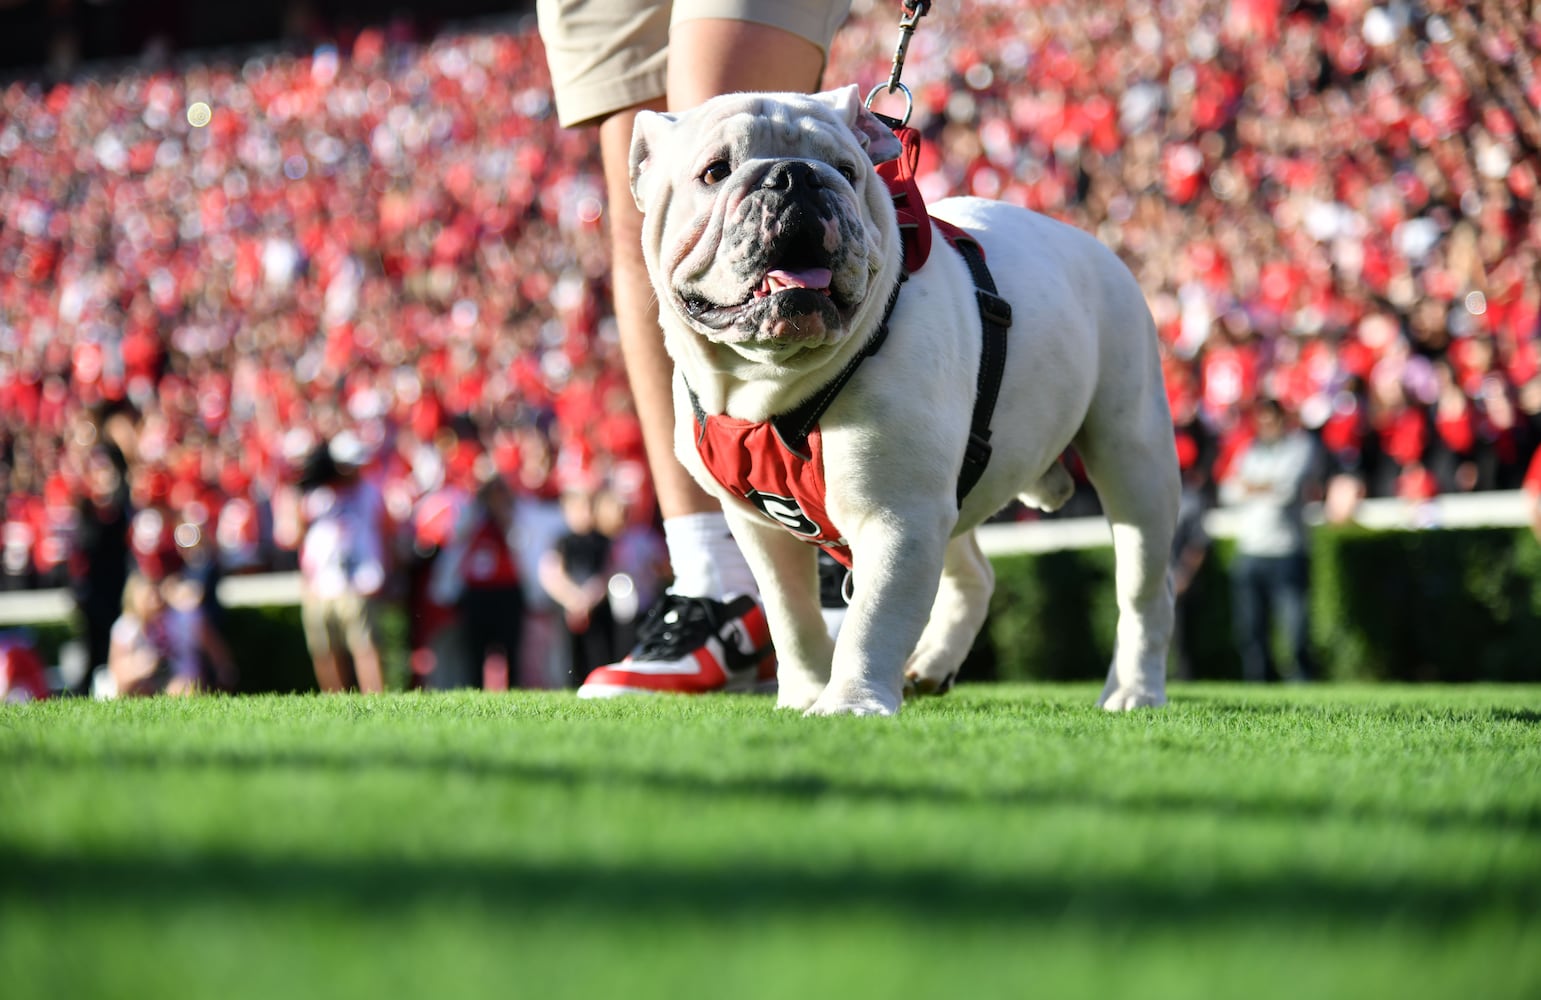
x: 1132, y: 462
x: 962, y: 600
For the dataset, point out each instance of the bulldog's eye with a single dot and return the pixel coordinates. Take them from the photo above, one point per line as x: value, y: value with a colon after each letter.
x: 715, y: 172
x: 848, y: 172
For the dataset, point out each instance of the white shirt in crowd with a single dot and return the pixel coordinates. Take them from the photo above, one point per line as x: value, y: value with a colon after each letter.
x: 343, y: 551
x: 1267, y: 489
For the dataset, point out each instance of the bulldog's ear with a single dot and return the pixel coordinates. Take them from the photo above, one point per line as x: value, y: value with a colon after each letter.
x: 876, y: 138
x: 647, y: 134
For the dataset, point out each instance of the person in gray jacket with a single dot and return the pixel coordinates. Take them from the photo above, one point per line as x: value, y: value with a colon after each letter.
x: 1270, y: 575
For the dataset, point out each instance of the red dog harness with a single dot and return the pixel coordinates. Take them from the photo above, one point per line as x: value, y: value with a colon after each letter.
x: 778, y: 465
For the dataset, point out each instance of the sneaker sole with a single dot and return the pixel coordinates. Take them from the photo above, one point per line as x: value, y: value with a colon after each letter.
x: 611, y: 691
x: 621, y: 690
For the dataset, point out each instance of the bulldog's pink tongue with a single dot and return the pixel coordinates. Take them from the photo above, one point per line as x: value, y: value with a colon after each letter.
x: 779, y: 280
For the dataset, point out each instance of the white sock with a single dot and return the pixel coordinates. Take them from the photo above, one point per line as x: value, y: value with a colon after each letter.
x: 706, y: 559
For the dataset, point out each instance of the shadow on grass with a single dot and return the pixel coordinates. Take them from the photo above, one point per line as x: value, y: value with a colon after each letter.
x: 1410, y: 710
x: 1389, y: 702
x: 795, y: 788
x: 1526, y: 716
x: 671, y: 892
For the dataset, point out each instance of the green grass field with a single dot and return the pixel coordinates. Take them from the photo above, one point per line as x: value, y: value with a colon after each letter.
x: 1010, y: 841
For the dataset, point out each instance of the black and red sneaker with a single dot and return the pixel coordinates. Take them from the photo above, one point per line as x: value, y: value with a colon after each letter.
x: 693, y: 645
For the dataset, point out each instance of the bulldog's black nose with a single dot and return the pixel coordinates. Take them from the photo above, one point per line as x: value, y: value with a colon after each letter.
x: 792, y: 175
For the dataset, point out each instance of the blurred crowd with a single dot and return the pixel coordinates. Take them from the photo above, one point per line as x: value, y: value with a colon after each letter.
x: 1329, y: 204
x: 385, y: 251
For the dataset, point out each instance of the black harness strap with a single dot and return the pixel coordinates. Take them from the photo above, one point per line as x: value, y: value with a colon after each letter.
x: 995, y: 318
x: 793, y: 428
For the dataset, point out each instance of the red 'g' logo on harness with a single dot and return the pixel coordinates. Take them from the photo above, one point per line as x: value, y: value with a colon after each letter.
x: 785, y: 511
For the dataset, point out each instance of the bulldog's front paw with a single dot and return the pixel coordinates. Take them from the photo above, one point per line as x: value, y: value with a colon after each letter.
x: 796, y: 696
x: 1122, y: 699
x: 855, y: 701
x: 798, y: 686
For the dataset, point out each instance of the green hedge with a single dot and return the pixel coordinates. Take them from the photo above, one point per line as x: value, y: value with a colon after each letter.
x: 269, y: 648
x: 1428, y: 606
x: 268, y: 644
x: 1444, y: 605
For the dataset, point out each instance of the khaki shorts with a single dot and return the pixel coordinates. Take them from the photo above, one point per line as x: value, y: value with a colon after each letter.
x: 335, y: 625
x: 606, y: 55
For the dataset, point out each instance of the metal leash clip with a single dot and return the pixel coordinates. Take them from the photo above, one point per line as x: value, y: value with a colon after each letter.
x: 913, y: 11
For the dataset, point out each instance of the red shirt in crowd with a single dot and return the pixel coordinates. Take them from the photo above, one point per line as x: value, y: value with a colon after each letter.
x: 1532, y: 483
x: 488, y: 562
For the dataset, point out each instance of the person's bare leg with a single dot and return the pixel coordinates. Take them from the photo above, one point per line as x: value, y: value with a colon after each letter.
x: 719, y: 56
x: 364, y: 648
x: 706, y: 58
x: 328, y: 673
x: 648, y: 367
x: 705, y: 561
x: 368, y: 671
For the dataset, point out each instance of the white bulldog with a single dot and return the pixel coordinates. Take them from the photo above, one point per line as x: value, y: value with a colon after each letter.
x: 774, y: 250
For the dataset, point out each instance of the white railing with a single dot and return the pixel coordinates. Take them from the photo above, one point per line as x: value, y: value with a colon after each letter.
x: 1470, y: 510
x: 30, y: 607
x: 1508, y: 509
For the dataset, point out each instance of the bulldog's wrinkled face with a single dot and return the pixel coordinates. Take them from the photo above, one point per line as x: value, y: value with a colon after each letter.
x: 765, y: 226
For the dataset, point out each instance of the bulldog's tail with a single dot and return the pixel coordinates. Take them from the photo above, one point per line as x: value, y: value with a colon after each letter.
x: 1052, y: 490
